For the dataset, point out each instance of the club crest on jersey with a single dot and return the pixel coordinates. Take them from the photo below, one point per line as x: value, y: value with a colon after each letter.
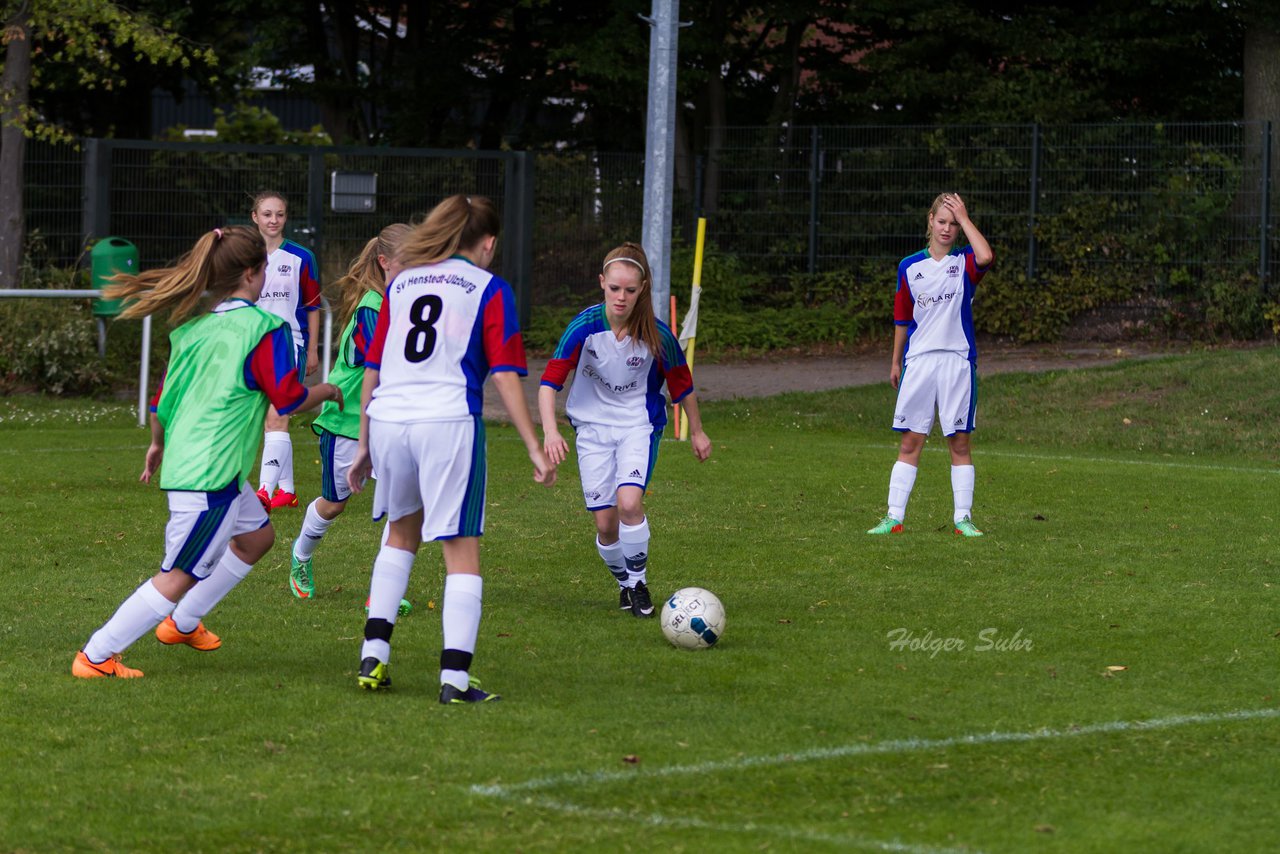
x: 953, y: 270
x: 635, y: 361
x: 284, y: 269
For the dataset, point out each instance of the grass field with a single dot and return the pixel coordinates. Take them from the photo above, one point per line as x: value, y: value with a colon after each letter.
x: 921, y: 693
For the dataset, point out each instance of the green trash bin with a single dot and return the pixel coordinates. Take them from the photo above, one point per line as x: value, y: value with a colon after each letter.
x: 109, y: 256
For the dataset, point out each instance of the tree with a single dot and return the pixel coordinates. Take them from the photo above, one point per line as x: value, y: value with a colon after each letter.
x: 79, y: 44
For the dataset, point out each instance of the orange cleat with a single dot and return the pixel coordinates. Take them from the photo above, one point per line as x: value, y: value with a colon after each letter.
x: 265, y: 498
x: 198, y: 638
x: 283, y: 499
x: 83, y: 668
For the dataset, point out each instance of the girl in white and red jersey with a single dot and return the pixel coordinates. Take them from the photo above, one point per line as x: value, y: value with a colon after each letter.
x: 362, y: 289
x: 292, y: 291
x: 445, y: 325
x: 935, y: 360
x: 620, y: 355
x: 225, y: 364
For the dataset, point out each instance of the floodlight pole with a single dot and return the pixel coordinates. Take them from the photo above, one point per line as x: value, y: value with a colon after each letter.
x: 660, y: 144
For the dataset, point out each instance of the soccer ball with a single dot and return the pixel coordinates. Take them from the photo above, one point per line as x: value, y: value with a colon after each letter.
x: 693, y: 618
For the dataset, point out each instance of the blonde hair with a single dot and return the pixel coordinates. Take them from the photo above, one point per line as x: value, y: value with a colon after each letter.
x: 365, y: 273
x: 642, y: 325
x: 928, y: 220
x: 455, y: 225
x: 214, y: 266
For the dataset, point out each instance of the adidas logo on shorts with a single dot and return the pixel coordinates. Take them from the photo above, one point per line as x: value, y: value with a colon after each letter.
x: 635, y: 473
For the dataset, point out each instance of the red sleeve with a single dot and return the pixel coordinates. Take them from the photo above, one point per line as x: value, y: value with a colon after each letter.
x: 559, y: 367
x: 373, y: 355
x: 503, y: 344
x: 679, y: 382
x: 271, y: 369
x: 310, y: 285
x: 155, y: 399
x: 971, y: 268
x: 903, y: 304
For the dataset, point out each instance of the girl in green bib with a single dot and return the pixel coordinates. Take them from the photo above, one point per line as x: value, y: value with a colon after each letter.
x: 227, y: 361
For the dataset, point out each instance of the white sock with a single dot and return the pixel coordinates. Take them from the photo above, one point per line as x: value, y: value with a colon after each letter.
x: 962, y: 478
x: 612, y: 557
x: 386, y: 588
x: 208, y: 592
x: 901, y: 480
x: 137, y: 615
x: 275, y: 447
x: 286, y: 466
x: 313, y: 530
x: 460, y: 619
x: 635, y: 550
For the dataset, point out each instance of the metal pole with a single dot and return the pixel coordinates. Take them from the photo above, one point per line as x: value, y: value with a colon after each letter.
x: 95, y: 204
x: 815, y: 175
x: 144, y: 371
x: 1264, y: 249
x: 1033, y: 202
x: 659, y: 161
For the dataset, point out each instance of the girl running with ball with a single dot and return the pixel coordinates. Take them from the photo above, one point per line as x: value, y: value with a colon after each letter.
x: 620, y: 355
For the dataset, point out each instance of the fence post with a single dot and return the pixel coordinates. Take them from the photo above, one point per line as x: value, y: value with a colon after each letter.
x: 1033, y: 202
x: 1264, y: 246
x: 517, y: 214
x: 698, y: 166
x: 95, y: 203
x: 815, y: 175
x: 315, y: 201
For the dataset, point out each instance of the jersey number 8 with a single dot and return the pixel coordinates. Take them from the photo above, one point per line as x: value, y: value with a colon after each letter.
x: 421, y: 340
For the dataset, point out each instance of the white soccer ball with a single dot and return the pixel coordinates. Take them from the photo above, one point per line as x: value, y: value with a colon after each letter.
x: 693, y: 618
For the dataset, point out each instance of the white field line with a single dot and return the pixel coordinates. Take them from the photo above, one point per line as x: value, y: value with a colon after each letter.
x: 525, y: 792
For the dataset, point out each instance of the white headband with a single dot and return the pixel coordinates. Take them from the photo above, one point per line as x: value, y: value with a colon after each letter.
x: 639, y: 266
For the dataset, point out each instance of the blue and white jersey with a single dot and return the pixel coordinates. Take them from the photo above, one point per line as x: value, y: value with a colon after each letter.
x: 616, y: 383
x: 442, y: 330
x: 935, y: 302
x: 291, y: 288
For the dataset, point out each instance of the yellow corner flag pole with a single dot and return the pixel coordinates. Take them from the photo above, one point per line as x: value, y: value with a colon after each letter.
x: 689, y: 333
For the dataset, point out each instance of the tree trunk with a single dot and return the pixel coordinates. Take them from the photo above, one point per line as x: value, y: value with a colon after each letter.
x: 15, y: 85
x: 1262, y: 85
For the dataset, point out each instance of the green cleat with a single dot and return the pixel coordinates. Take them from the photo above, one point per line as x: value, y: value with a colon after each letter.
x: 374, y: 675
x: 966, y: 528
x: 300, y: 580
x: 887, y: 525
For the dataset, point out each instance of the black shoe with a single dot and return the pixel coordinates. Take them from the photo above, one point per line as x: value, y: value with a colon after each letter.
x: 624, y: 599
x: 473, y: 694
x: 641, y: 604
x: 374, y: 675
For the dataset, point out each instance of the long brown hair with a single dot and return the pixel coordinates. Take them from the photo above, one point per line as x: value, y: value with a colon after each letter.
x: 215, y: 265
x: 642, y: 325
x: 365, y: 273
x: 455, y: 225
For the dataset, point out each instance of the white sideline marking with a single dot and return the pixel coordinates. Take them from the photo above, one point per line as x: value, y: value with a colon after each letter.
x: 892, y: 746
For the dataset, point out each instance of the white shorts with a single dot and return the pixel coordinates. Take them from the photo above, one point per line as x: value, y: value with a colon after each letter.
x: 435, y: 466
x: 336, y: 455
x: 610, y: 457
x: 201, y: 525
x: 941, y: 380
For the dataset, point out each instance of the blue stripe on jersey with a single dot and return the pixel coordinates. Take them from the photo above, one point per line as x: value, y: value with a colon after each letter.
x: 362, y: 335
x: 588, y: 322
x: 202, y: 532
x: 306, y: 266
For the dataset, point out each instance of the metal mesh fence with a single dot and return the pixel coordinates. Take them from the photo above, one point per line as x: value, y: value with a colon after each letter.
x: 1159, y: 204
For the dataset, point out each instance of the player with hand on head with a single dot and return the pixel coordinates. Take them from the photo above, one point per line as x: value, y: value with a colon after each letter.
x: 446, y: 324
x: 226, y: 362
x: 620, y: 355
x: 935, y: 358
x: 362, y: 290
x: 292, y: 291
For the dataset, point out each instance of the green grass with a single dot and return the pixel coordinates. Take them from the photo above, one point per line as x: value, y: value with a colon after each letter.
x: 1148, y: 545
